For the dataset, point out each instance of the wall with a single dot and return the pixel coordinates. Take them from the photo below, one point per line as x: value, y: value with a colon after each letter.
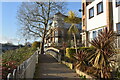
x: 116, y: 14
x: 97, y: 20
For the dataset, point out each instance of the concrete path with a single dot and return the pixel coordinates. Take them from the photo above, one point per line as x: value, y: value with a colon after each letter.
x: 49, y: 68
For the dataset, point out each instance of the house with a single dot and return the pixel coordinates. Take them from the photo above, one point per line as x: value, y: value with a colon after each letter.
x: 58, y: 32
x: 98, y: 14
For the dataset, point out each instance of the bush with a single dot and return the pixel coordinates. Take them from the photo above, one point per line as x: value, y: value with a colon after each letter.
x: 84, y: 48
x: 87, y: 49
x: 35, y: 45
x: 13, y: 58
x: 66, y: 59
x: 70, y: 52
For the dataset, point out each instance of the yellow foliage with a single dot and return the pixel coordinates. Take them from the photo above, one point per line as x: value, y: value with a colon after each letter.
x: 35, y: 44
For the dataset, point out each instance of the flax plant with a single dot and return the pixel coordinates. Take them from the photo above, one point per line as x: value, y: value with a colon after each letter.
x: 104, y: 50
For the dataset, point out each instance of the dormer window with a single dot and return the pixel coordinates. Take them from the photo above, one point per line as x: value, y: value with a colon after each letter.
x: 99, y: 8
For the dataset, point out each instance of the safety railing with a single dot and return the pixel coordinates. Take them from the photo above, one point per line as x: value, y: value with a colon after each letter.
x: 26, y: 69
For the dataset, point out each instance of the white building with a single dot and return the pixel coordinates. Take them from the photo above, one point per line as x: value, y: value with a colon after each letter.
x: 58, y: 31
x: 98, y: 14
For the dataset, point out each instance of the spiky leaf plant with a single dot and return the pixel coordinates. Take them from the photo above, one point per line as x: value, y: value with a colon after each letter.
x: 104, y: 49
x: 80, y: 59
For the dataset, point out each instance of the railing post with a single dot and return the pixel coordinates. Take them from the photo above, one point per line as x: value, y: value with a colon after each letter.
x: 25, y: 70
x: 14, y: 74
x: 9, y: 77
x: 59, y: 57
x: 36, y: 57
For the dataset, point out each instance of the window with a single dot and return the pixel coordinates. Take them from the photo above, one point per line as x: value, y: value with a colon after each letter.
x: 100, y: 30
x: 117, y: 3
x: 118, y: 28
x: 94, y: 34
x: 56, y: 33
x: 99, y: 8
x: 91, y: 12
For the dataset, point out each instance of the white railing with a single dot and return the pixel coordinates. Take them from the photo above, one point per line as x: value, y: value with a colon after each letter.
x: 26, y: 69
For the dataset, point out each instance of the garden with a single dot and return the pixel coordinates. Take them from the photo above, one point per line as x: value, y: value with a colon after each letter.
x: 97, y: 60
x: 13, y: 58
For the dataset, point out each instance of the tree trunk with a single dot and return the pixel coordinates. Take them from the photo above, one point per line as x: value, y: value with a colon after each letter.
x: 43, y: 41
x: 75, y: 42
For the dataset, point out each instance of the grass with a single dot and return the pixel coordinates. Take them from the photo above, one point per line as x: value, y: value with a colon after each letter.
x: 13, y: 58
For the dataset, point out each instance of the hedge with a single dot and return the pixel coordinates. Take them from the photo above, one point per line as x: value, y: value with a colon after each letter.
x: 71, y: 51
x: 87, y: 49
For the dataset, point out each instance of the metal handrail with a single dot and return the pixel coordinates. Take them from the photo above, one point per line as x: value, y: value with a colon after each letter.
x: 22, y: 69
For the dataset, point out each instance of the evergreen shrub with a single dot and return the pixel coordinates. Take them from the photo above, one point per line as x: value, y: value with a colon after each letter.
x: 35, y: 45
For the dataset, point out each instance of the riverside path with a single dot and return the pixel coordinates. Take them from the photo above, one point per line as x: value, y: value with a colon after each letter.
x: 49, y: 68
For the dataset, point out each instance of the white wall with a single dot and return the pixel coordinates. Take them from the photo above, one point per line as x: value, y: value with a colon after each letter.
x: 116, y: 14
x: 97, y: 20
x: 56, y: 40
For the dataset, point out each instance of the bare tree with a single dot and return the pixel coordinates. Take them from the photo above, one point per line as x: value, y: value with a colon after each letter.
x: 35, y: 17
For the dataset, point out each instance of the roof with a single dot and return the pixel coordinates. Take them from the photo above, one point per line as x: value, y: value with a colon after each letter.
x: 59, y: 13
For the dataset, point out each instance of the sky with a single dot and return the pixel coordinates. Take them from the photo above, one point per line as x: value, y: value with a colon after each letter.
x: 9, y: 23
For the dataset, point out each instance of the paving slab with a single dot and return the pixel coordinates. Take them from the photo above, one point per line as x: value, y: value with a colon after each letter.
x: 48, y: 67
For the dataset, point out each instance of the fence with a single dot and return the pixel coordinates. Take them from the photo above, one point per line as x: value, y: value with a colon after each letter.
x: 25, y: 70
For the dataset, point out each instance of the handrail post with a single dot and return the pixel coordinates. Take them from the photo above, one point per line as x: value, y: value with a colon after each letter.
x: 14, y: 74
x: 9, y: 76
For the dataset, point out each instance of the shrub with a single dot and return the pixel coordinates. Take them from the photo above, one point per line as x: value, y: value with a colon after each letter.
x: 87, y: 49
x: 70, y: 52
x: 80, y: 59
x: 35, y: 44
x: 118, y: 51
x: 66, y: 59
x: 84, y: 48
x: 8, y: 67
x: 104, y: 50
x: 13, y: 58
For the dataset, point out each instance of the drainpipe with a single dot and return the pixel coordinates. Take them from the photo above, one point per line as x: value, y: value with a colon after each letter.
x: 109, y: 14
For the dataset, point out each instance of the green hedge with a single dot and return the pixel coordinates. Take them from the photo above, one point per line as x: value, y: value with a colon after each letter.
x: 88, y: 49
x: 71, y: 51
x: 118, y: 51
